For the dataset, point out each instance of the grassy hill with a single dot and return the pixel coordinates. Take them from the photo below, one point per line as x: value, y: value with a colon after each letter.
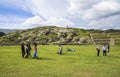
x: 51, y: 35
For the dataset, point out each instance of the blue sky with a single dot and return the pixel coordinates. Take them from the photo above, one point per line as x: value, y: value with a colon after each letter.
x: 4, y: 10
x: 24, y: 14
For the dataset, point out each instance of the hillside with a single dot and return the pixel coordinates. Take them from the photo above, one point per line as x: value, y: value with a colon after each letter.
x: 50, y: 35
x: 2, y: 34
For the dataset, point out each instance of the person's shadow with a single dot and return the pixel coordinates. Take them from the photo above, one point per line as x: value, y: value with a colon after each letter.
x: 43, y: 58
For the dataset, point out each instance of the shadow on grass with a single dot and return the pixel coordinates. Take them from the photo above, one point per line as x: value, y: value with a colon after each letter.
x: 40, y: 58
x: 43, y: 58
x: 114, y: 56
x: 61, y: 54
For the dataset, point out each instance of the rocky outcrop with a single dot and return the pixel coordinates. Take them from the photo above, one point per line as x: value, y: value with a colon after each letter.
x: 44, y: 35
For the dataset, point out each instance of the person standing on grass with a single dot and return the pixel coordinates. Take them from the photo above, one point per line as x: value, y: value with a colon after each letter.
x: 60, y: 49
x: 23, y: 50
x: 27, y: 51
x: 35, y: 51
x: 29, y: 47
x: 104, y: 50
x: 98, y: 49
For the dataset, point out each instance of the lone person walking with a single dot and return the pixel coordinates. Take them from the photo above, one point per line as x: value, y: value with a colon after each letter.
x: 98, y: 49
x: 60, y: 49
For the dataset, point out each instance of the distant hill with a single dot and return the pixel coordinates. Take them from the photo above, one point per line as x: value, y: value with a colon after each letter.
x: 2, y: 34
x: 51, y: 35
x: 8, y: 30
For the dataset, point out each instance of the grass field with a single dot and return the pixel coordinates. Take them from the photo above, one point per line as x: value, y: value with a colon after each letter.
x: 82, y: 63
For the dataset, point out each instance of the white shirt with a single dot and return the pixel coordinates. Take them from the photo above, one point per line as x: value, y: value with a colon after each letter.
x: 60, y: 48
x: 104, y: 48
x: 98, y: 46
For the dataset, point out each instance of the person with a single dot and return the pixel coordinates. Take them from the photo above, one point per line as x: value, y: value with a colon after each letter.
x: 29, y: 48
x: 23, y: 50
x: 98, y: 49
x: 27, y: 51
x: 60, y: 49
x: 73, y: 50
x: 104, y: 50
x: 35, y: 51
x: 108, y: 47
x: 68, y: 49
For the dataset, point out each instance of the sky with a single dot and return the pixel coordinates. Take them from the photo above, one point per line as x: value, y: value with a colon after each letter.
x: 88, y: 14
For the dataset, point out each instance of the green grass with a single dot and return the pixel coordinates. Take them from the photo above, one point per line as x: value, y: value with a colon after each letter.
x: 82, y: 63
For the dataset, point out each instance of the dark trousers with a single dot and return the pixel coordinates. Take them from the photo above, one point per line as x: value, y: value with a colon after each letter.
x: 30, y: 54
x: 108, y: 50
x: 27, y: 53
x: 104, y: 53
x: 60, y: 52
x: 98, y: 52
x: 23, y: 54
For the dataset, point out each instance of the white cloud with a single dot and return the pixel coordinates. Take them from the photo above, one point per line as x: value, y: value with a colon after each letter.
x: 47, y: 12
x: 61, y: 22
x: 106, y: 23
x: 32, y: 22
x: 11, y: 19
x: 102, y: 10
x: 10, y: 22
x: 79, y: 6
x: 48, y: 8
x: 97, y: 13
x: 37, y: 21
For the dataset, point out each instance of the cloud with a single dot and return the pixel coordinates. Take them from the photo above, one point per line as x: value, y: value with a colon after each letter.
x: 47, y: 8
x: 32, y: 22
x: 61, y: 22
x: 79, y: 6
x: 37, y: 21
x: 96, y: 14
x: 106, y: 23
x: 11, y: 22
x: 103, y: 9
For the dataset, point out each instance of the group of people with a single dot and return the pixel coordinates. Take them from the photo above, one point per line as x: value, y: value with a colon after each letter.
x: 26, y: 50
x: 67, y: 50
x: 70, y: 50
x: 105, y: 49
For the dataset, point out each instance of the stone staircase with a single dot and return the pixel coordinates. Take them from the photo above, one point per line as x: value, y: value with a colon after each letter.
x: 100, y: 39
x: 105, y: 38
x: 115, y: 38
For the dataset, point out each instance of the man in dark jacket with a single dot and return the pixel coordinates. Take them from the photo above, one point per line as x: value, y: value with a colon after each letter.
x: 29, y: 48
x: 23, y: 50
